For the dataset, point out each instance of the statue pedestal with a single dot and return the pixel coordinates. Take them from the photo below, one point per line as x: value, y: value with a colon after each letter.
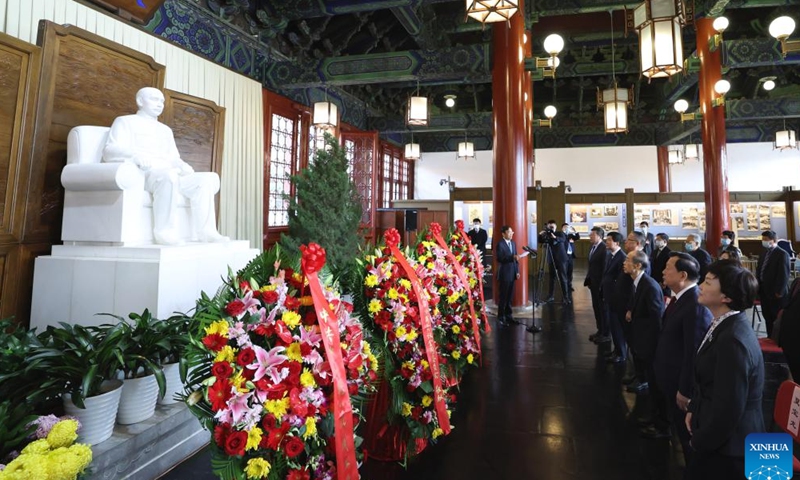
x: 78, y: 281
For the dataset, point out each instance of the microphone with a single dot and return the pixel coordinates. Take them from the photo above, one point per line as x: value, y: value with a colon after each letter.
x: 530, y: 251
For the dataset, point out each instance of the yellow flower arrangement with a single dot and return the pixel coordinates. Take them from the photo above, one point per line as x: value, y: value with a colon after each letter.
x: 253, y: 438
x: 371, y: 281
x: 257, y: 468
x: 291, y: 319
x: 375, y: 306
x: 226, y: 354
x: 406, y: 409
x: 294, y: 353
x: 54, y: 457
x: 219, y: 327
x: 311, y: 428
x: 307, y: 379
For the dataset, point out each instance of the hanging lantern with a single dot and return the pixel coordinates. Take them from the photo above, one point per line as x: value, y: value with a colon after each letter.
x: 691, y: 152
x: 614, y: 102
x: 466, y: 151
x: 675, y: 157
x: 490, y: 11
x: 326, y: 115
x: 412, y: 151
x: 785, y: 140
x: 659, y: 23
x: 417, y: 111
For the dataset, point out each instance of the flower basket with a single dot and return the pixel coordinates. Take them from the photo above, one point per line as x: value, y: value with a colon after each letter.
x: 137, y: 401
x: 97, y: 419
x: 383, y: 441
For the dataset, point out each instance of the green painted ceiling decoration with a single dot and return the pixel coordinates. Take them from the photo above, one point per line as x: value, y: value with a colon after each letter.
x: 369, y: 55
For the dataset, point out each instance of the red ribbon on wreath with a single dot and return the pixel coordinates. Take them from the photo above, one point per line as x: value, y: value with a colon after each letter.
x: 479, y: 266
x: 436, y: 230
x: 312, y: 261
x: 392, y: 239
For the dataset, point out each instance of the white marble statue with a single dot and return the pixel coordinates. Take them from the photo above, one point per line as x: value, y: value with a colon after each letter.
x: 149, y: 144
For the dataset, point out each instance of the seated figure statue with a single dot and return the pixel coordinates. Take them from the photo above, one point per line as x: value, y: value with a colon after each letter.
x: 149, y: 144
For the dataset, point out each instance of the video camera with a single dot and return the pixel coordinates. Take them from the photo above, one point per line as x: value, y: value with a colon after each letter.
x: 547, y: 236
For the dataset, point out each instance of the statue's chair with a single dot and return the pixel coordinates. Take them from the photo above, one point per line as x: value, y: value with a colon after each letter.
x: 106, y: 203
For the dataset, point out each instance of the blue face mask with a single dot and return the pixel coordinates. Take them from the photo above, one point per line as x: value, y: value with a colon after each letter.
x: 688, y: 246
x: 725, y: 242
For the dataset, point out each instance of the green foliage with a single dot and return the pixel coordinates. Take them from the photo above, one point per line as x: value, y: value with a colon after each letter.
x: 327, y: 209
x: 16, y: 385
x: 14, y: 427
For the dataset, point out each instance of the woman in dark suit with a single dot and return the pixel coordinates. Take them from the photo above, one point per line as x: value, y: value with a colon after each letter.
x: 728, y: 376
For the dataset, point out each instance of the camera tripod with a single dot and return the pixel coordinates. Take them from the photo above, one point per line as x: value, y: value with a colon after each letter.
x: 547, y: 259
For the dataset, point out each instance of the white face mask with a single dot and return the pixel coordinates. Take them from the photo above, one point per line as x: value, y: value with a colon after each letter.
x: 476, y: 226
x: 765, y: 244
x: 660, y: 244
x: 725, y: 242
x: 644, y: 230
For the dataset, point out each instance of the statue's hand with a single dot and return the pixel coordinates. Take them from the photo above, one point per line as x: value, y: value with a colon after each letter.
x: 186, y: 169
x: 144, y: 163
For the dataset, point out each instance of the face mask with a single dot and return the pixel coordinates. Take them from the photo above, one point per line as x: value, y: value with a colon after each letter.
x: 725, y: 242
x: 660, y: 244
x: 765, y: 244
x: 644, y: 230
x: 565, y: 229
x: 688, y: 246
x: 476, y: 227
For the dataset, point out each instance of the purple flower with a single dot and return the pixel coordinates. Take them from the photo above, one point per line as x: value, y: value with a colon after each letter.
x: 43, y: 426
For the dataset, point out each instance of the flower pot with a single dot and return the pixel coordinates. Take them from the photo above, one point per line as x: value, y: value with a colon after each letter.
x: 97, y: 419
x: 172, y: 373
x: 138, y: 400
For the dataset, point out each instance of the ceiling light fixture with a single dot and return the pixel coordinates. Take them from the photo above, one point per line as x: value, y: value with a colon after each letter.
x: 659, y: 23
x: 782, y: 28
x: 721, y: 88
x: 326, y: 114
x: 491, y: 11
x: 785, y: 139
x: 466, y: 149
x: 417, y: 110
x: 450, y: 100
x: 615, y: 100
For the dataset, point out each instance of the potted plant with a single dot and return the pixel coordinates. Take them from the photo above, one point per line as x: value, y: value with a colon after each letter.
x: 80, y: 364
x: 175, y: 332
x: 140, y: 349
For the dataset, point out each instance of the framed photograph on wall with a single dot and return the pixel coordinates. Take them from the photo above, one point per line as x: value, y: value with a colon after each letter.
x: 610, y: 211
x: 597, y: 211
x: 577, y: 213
x: 664, y: 217
x: 737, y: 208
x: 738, y: 223
x: 779, y: 211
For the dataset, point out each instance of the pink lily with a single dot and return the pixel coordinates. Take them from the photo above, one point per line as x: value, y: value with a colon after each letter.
x: 267, y: 363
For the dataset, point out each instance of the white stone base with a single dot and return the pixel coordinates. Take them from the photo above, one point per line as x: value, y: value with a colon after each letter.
x: 78, y: 281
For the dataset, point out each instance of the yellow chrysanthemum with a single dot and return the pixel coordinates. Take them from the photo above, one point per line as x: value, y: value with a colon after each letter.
x: 472, y: 282
x: 470, y: 358
x: 375, y: 306
x: 63, y: 434
x: 453, y: 298
x: 268, y: 288
x: 405, y: 283
x: 456, y: 329
x: 429, y: 266
x: 367, y: 348
x: 408, y: 365
x: 456, y: 354
x: 220, y: 326
x: 311, y: 428
x: 240, y: 383
x: 392, y: 293
x: 373, y: 362
x: 426, y: 400
x: 371, y: 280
x: 226, y: 354
x: 412, y: 335
x: 291, y: 319
x: 306, y: 301
x: 424, y: 363
x: 307, y: 379
x: 257, y: 468
x: 437, y: 432
x: 294, y: 353
x: 442, y: 290
x: 406, y: 411
x: 400, y: 331
x: 38, y: 447
x: 277, y: 408
x: 253, y: 438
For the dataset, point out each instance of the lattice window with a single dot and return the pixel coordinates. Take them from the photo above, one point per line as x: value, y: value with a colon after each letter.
x: 282, y: 166
x: 386, y: 180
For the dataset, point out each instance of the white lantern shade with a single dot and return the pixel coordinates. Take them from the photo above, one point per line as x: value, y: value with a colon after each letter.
x: 550, y: 111
x: 490, y: 11
x: 769, y: 85
x: 412, y: 151
x: 326, y: 114
x: 553, y: 44
x: 660, y: 43
x: 691, y: 151
x: 781, y: 27
x: 615, y: 109
x: 785, y: 139
x: 681, y: 105
x: 720, y: 24
x: 417, y: 111
x: 553, y: 62
x: 675, y: 157
x: 466, y: 151
x: 722, y: 86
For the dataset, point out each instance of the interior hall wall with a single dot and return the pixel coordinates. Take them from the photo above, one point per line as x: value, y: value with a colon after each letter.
x: 241, y: 195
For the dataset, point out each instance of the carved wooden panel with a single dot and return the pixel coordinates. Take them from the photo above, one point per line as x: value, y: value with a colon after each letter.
x: 23, y: 260
x: 19, y: 74
x: 361, y: 149
x: 140, y: 11
x: 198, y: 125
x: 89, y: 80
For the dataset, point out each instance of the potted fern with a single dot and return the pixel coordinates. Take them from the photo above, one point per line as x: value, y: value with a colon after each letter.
x: 140, y: 349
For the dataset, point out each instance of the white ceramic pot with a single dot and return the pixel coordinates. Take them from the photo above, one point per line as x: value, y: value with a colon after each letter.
x: 97, y: 419
x: 138, y: 400
x: 172, y: 372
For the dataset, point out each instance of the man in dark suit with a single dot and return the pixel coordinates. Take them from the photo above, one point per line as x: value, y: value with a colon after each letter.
x: 572, y: 237
x: 594, y: 279
x: 612, y: 322
x: 659, y: 257
x: 478, y: 237
x: 644, y: 314
x: 773, y: 278
x: 507, y: 273
x: 556, y: 259
x: 684, y: 326
x: 649, y: 240
x: 692, y: 247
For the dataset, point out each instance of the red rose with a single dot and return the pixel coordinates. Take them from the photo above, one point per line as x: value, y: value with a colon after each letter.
x: 298, y: 475
x: 222, y: 370
x: 215, y: 342
x: 235, y: 308
x: 219, y: 394
x: 235, y: 443
x: 249, y: 374
x: 305, y: 349
x: 221, y: 432
x: 246, y: 357
x: 269, y: 422
x: 294, y: 447
x: 352, y: 388
x: 270, y: 297
x: 292, y: 303
x: 244, y: 286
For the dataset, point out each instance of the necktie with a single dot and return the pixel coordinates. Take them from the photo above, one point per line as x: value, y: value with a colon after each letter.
x: 764, y: 265
x: 591, y: 252
x: 672, y: 301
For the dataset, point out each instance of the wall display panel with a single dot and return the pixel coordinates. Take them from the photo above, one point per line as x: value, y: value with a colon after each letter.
x: 611, y: 217
x: 749, y: 219
x: 675, y: 219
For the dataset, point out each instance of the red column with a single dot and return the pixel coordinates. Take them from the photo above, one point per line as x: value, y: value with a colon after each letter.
x: 664, y: 180
x: 715, y: 154
x: 527, y: 89
x: 509, y: 161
